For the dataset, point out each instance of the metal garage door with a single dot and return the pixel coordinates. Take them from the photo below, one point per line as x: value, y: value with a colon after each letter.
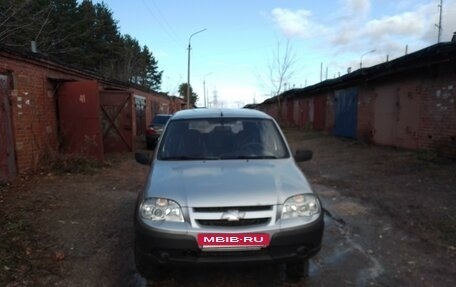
x: 7, y: 157
x: 79, y: 119
x: 140, y: 112
x: 319, y: 120
x: 117, y: 120
x: 346, y: 110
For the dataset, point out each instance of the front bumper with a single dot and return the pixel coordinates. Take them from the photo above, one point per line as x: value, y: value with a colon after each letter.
x: 169, y: 249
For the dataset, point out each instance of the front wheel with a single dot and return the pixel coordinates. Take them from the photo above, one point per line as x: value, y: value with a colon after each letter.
x: 147, y: 269
x: 297, y: 270
x: 151, y: 145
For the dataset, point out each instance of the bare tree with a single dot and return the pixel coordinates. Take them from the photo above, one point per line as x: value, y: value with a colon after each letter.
x: 84, y: 35
x: 11, y: 15
x: 281, y: 70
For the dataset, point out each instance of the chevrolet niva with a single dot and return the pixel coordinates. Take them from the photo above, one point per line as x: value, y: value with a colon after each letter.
x: 224, y: 186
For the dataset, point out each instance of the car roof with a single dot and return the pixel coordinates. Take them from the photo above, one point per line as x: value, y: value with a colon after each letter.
x: 217, y: 113
x: 163, y: 115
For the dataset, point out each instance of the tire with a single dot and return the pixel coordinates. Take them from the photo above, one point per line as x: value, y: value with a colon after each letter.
x: 147, y: 269
x: 150, y: 145
x: 141, y: 262
x: 297, y: 270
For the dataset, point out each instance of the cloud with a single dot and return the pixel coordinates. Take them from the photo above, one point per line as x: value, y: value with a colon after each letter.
x: 389, y: 34
x: 347, y: 21
x: 354, y: 27
x: 343, y: 35
x: 357, y: 6
x: 300, y: 23
x: 296, y: 23
x: 406, y: 24
x: 416, y: 28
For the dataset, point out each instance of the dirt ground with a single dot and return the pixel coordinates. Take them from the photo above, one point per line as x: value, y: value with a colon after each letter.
x: 390, y: 221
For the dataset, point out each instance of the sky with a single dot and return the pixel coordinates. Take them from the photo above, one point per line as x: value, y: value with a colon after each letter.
x: 230, y: 61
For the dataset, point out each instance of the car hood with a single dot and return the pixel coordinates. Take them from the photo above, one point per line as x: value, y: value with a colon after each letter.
x: 226, y: 182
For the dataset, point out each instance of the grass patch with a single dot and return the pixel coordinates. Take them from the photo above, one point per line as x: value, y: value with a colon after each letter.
x: 4, y: 185
x: 432, y: 156
x: 298, y: 134
x: 13, y: 234
x: 62, y: 163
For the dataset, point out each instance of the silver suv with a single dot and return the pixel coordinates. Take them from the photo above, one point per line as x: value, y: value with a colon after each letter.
x: 224, y: 187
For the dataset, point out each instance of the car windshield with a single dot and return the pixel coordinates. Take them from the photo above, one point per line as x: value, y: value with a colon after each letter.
x: 222, y: 138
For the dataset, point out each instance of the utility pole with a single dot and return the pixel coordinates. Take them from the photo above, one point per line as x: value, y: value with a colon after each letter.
x: 321, y: 71
x: 439, y: 26
x: 188, y: 66
x: 204, y: 90
x: 215, y: 99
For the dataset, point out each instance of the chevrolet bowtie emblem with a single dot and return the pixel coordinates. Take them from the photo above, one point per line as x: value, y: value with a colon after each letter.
x: 233, y: 215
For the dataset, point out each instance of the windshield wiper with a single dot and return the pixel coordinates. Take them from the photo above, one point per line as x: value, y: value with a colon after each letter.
x: 187, y: 157
x: 249, y: 157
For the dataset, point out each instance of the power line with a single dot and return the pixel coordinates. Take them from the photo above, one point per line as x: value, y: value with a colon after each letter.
x: 166, y: 27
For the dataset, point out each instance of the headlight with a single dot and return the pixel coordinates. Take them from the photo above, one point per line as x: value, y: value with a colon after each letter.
x: 161, y: 209
x: 304, y: 206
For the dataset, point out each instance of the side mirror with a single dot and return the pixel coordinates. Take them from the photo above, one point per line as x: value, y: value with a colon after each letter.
x: 142, y: 158
x: 303, y: 155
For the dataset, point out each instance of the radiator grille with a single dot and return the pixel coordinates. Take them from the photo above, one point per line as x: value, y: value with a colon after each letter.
x: 240, y: 208
x: 226, y: 223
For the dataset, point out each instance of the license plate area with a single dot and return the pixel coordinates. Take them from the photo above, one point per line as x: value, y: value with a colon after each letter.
x: 233, y: 241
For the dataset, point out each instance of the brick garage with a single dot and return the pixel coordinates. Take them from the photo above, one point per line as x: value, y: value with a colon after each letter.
x: 31, y: 93
x: 409, y: 102
x: 438, y: 110
x: 33, y: 108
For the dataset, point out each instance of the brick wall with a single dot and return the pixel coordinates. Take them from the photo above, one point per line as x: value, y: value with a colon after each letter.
x: 33, y: 113
x: 438, y: 110
x: 34, y: 104
x: 416, y: 110
x: 366, y: 98
x: 413, y: 110
x: 176, y: 104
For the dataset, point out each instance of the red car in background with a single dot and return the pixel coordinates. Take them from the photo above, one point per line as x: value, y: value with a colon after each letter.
x: 155, y: 129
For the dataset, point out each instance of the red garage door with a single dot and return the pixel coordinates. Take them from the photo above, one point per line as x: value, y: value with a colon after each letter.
x: 319, y: 113
x: 79, y: 119
x: 7, y: 157
x: 117, y: 120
